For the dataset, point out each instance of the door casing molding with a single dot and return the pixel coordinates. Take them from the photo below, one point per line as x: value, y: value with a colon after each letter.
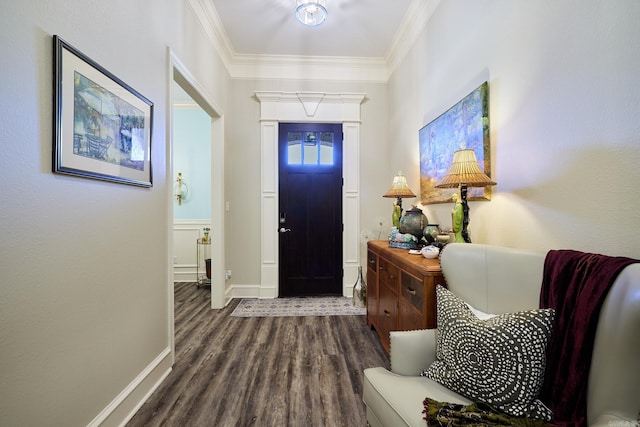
x: 301, y: 107
x: 180, y: 75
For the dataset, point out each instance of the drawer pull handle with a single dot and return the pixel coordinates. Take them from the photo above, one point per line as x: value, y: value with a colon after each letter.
x: 391, y: 276
x: 381, y: 268
x: 411, y: 291
x: 372, y: 261
x: 386, y: 313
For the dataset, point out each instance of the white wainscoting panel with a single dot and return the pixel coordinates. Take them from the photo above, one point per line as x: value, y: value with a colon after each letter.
x: 185, y: 235
x: 351, y: 205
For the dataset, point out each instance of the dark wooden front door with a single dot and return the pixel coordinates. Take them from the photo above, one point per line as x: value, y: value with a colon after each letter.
x: 310, y: 222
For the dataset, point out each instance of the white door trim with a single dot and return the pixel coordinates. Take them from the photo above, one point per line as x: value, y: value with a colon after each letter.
x: 311, y: 107
x: 179, y: 74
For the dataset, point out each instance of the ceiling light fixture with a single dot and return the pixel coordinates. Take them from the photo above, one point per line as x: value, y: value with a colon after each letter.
x: 311, y: 12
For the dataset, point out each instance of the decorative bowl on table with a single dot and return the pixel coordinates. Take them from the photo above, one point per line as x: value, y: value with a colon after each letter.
x: 430, y: 252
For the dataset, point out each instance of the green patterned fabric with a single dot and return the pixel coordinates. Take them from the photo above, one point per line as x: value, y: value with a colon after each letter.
x: 474, y: 415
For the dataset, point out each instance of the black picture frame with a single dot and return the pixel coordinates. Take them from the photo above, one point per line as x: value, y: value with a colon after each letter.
x: 102, y: 126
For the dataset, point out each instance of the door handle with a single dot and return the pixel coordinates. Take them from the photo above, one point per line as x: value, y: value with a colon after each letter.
x: 284, y: 230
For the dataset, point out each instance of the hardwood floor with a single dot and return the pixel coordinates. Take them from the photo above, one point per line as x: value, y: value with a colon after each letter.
x: 273, y: 371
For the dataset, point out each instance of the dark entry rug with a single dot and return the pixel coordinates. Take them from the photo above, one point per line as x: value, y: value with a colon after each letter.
x: 298, y: 306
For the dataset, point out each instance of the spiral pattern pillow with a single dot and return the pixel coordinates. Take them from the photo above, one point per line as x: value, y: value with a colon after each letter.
x: 499, y: 361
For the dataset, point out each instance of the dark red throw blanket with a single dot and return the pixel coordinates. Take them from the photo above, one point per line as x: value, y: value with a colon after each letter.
x: 575, y: 284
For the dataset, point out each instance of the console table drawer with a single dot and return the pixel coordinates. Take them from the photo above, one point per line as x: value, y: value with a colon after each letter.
x: 372, y: 288
x: 412, y: 290
x: 389, y: 274
x: 387, y: 314
x: 372, y: 261
x: 409, y: 318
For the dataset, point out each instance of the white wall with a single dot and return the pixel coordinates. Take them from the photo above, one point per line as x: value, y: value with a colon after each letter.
x: 192, y: 158
x: 84, y: 265
x: 564, y: 109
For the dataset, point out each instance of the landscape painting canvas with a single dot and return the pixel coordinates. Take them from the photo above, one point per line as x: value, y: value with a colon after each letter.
x: 463, y: 126
x: 106, y: 127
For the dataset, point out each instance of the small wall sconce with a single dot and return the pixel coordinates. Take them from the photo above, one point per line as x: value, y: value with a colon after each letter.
x: 182, y: 189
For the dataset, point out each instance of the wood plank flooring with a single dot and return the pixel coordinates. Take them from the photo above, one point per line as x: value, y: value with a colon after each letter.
x: 273, y: 371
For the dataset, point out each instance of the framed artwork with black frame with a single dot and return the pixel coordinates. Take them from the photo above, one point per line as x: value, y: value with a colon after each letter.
x: 463, y: 126
x: 102, y: 126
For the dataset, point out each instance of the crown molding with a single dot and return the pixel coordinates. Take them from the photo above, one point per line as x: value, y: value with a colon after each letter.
x: 418, y: 14
x: 378, y: 70
x: 210, y: 21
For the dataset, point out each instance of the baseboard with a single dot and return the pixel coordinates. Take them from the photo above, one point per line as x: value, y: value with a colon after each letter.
x: 127, y: 403
x: 243, y: 291
x: 184, y: 273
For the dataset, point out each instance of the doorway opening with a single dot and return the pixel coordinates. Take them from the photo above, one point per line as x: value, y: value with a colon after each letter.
x: 308, y: 107
x: 180, y: 77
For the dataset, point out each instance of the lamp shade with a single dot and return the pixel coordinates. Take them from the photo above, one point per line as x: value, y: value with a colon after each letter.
x: 399, y: 188
x: 465, y: 170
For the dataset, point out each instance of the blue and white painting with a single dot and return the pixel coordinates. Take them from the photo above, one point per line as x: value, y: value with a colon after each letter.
x: 106, y: 127
x: 463, y: 126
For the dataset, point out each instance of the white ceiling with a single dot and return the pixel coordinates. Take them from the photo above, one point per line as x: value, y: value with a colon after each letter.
x: 354, y: 28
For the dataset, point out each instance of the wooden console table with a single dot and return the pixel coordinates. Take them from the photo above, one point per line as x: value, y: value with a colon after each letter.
x: 401, y: 290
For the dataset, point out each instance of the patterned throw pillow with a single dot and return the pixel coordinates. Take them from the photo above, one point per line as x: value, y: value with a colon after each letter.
x: 499, y: 361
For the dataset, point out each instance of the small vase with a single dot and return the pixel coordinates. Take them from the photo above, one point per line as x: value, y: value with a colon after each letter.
x: 431, y: 232
x: 360, y: 291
